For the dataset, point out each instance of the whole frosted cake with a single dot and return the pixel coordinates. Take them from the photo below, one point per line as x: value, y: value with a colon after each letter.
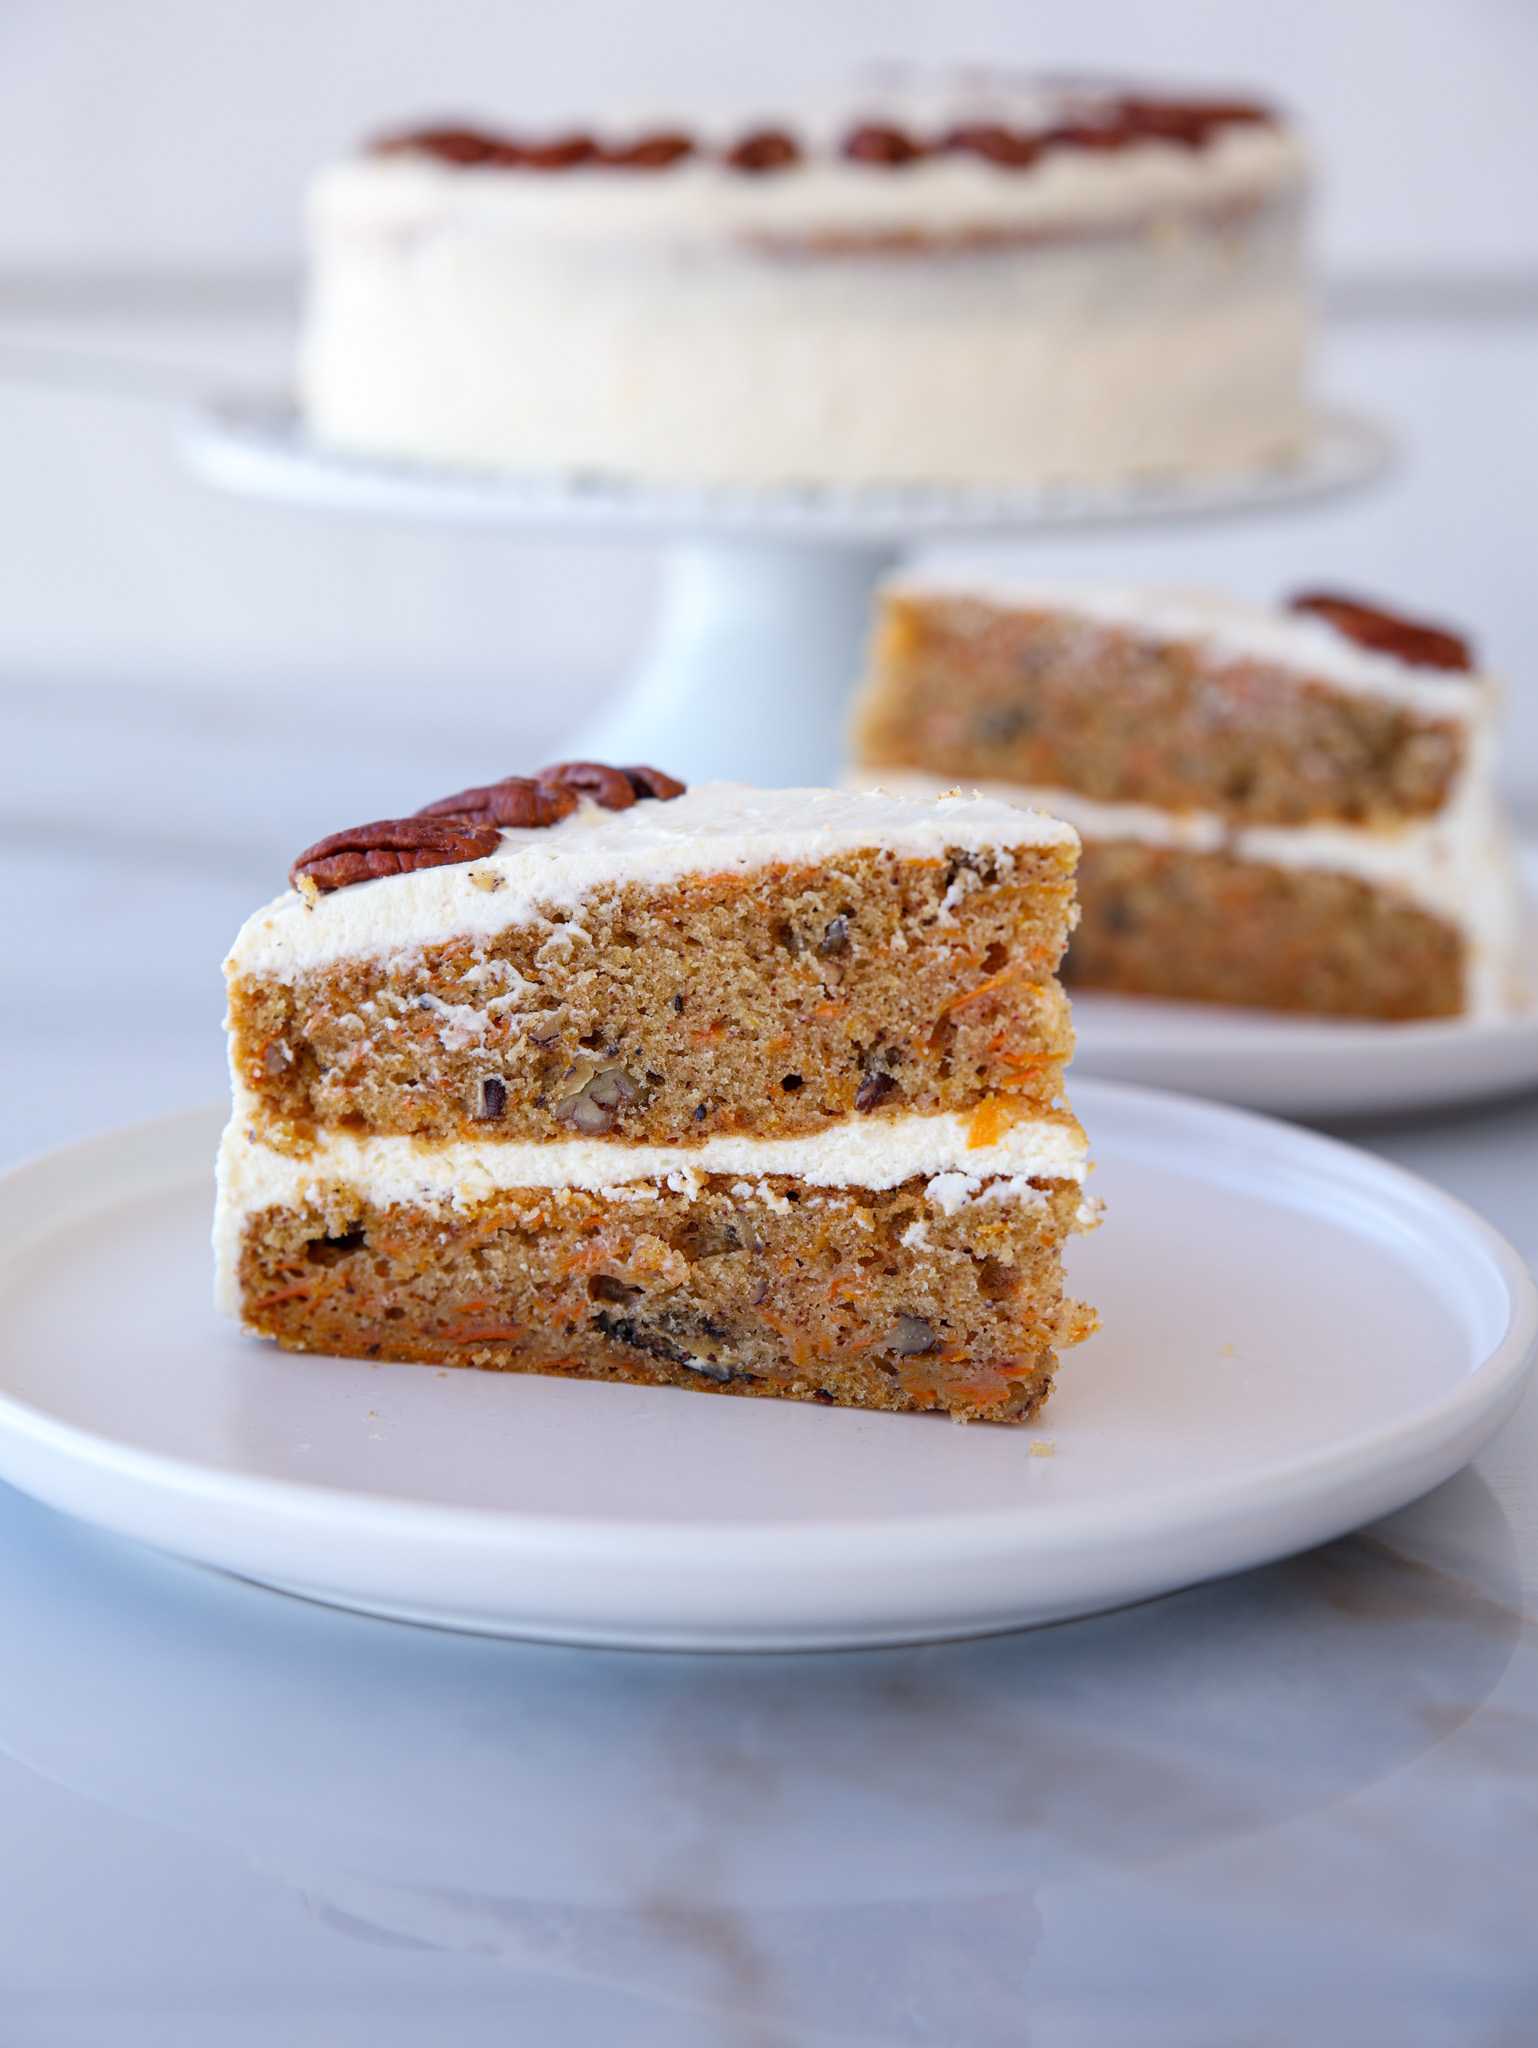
x: 1291, y: 809
x: 754, y: 1092
x: 985, y: 286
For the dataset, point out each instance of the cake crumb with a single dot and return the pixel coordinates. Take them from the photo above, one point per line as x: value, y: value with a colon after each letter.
x: 1043, y: 1447
x: 485, y: 878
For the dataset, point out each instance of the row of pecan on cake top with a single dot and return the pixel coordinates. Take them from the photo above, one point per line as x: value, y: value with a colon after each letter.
x: 469, y: 826
x: 1104, y: 125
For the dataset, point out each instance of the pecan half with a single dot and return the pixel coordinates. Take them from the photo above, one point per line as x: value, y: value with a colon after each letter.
x: 553, y: 794
x: 563, y: 154
x: 1004, y: 146
x: 875, y: 143
x: 650, y: 153
x: 391, y: 846
x: 1417, y: 645
x: 766, y: 149
x: 610, y: 787
x: 652, y: 782
x: 1092, y: 135
x: 1190, y: 122
x: 514, y: 801
x: 449, y: 145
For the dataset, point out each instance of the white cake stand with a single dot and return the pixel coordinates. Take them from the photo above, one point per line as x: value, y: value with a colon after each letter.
x: 767, y: 593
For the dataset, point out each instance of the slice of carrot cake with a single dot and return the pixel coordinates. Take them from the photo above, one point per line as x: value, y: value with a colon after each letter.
x: 758, y: 1092
x: 1292, y: 809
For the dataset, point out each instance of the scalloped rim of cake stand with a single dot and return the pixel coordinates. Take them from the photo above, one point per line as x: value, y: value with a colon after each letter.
x: 262, y: 448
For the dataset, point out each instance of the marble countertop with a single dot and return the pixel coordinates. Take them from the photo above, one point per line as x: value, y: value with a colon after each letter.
x: 1296, y: 1806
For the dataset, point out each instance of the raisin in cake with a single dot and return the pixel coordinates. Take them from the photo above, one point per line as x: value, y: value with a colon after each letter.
x: 1290, y: 809
x: 757, y: 1092
x: 982, y: 283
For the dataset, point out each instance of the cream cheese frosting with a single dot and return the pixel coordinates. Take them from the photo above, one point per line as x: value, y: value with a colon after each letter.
x: 540, y: 875
x: 823, y: 197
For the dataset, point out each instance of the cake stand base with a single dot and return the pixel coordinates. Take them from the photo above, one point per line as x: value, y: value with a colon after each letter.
x: 748, y: 672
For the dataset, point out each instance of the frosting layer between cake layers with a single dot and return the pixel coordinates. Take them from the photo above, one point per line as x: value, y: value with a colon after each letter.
x: 457, y: 1178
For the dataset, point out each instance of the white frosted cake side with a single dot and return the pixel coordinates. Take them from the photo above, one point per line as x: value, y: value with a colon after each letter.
x: 1035, y: 305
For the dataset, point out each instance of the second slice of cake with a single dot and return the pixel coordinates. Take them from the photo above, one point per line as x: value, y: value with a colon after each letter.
x: 1285, y: 809
x: 751, y: 1091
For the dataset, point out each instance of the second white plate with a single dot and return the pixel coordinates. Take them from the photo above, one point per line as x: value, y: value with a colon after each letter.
x: 1312, y: 1066
x: 1297, y: 1338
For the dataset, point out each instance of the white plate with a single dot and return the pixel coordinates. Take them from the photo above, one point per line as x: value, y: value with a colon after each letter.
x: 262, y: 448
x: 1312, y: 1066
x: 1297, y: 1338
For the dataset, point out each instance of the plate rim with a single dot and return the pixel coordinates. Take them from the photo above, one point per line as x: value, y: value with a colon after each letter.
x: 1490, y: 1388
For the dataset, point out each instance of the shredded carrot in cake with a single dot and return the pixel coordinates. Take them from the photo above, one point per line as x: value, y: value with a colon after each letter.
x: 991, y: 1119
x: 987, y: 988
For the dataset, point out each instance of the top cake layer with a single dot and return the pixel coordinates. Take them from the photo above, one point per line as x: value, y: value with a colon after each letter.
x: 716, y: 829
x: 1191, y: 704
x: 726, y: 963
x: 1227, y: 627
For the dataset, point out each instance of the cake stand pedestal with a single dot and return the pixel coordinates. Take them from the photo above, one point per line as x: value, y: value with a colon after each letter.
x: 766, y: 598
x: 750, y: 666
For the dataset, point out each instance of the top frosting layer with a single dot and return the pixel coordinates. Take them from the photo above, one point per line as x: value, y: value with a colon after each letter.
x: 1225, y: 627
x: 823, y: 195
x: 716, y: 828
x: 1011, y: 123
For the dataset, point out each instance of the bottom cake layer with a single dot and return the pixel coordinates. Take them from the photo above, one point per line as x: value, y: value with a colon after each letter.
x: 941, y: 1293
x: 1209, y: 927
